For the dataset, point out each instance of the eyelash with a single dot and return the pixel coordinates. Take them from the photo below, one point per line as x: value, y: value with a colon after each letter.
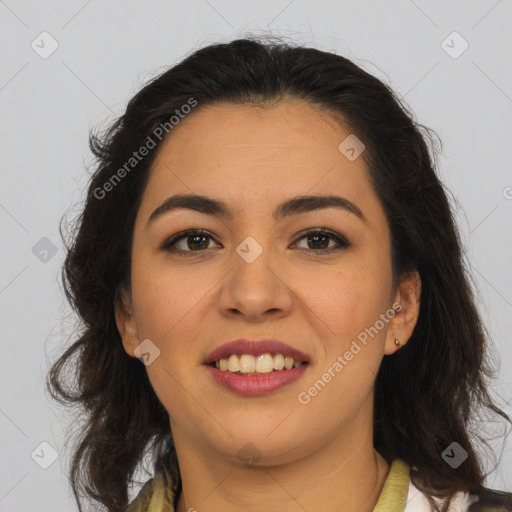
x: 342, y: 241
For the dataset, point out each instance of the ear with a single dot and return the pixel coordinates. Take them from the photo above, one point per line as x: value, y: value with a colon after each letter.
x: 402, y: 324
x: 125, y: 322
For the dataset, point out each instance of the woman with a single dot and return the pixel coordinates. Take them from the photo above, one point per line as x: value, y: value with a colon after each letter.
x: 274, y: 298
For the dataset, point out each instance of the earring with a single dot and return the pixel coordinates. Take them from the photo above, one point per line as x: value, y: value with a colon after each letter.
x: 397, y: 343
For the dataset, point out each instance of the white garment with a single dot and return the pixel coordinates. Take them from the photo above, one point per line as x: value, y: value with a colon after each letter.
x: 417, y: 501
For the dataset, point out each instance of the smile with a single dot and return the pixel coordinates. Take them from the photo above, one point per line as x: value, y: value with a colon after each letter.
x: 247, y: 364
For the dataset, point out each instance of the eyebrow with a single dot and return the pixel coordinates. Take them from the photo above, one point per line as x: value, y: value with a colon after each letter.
x: 293, y: 206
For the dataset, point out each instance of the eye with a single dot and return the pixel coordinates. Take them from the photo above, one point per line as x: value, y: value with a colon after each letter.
x: 321, y: 237
x: 192, y: 238
x: 196, y: 241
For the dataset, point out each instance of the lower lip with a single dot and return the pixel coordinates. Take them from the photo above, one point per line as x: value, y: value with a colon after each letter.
x: 256, y: 384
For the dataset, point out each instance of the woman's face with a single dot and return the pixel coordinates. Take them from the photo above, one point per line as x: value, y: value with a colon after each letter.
x: 254, y: 276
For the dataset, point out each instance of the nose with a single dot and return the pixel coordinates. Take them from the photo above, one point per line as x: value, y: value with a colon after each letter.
x: 255, y: 288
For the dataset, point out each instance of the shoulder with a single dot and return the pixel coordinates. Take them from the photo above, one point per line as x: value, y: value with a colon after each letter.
x: 488, y: 500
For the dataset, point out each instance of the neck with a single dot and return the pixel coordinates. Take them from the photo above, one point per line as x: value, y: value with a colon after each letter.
x: 344, y: 473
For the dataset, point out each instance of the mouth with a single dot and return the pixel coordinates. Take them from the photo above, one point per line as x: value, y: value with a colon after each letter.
x: 256, y: 367
x: 256, y: 357
x: 262, y: 364
x: 253, y: 368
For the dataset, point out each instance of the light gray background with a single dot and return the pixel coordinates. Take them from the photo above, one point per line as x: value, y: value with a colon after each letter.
x: 105, y: 52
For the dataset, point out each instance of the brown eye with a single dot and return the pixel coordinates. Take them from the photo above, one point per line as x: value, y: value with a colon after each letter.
x: 197, y: 241
x: 194, y: 240
x: 318, y: 241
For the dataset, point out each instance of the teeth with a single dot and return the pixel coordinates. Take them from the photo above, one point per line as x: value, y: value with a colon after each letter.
x: 264, y: 363
x: 247, y: 364
x: 233, y: 363
x: 278, y: 362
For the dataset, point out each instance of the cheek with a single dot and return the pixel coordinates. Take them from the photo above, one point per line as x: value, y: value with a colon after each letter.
x: 166, y: 299
x: 166, y: 303
x: 344, y: 301
x: 365, y: 291
x: 170, y: 304
x: 347, y: 304
x: 352, y: 350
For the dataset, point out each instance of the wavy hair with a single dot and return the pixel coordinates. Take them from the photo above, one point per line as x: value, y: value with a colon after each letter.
x: 427, y: 395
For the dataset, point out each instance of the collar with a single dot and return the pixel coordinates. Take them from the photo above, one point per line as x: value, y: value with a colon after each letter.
x: 393, y: 496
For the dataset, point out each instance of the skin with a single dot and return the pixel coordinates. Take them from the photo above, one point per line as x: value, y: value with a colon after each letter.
x: 318, y: 456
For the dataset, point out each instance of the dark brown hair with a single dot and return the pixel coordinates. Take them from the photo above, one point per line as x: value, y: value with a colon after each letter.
x: 426, y: 397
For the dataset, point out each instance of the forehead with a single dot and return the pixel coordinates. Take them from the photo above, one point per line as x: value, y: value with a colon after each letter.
x: 289, y: 130
x: 254, y: 157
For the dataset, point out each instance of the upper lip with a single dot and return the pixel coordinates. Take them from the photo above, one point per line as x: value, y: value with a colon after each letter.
x: 255, y: 348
